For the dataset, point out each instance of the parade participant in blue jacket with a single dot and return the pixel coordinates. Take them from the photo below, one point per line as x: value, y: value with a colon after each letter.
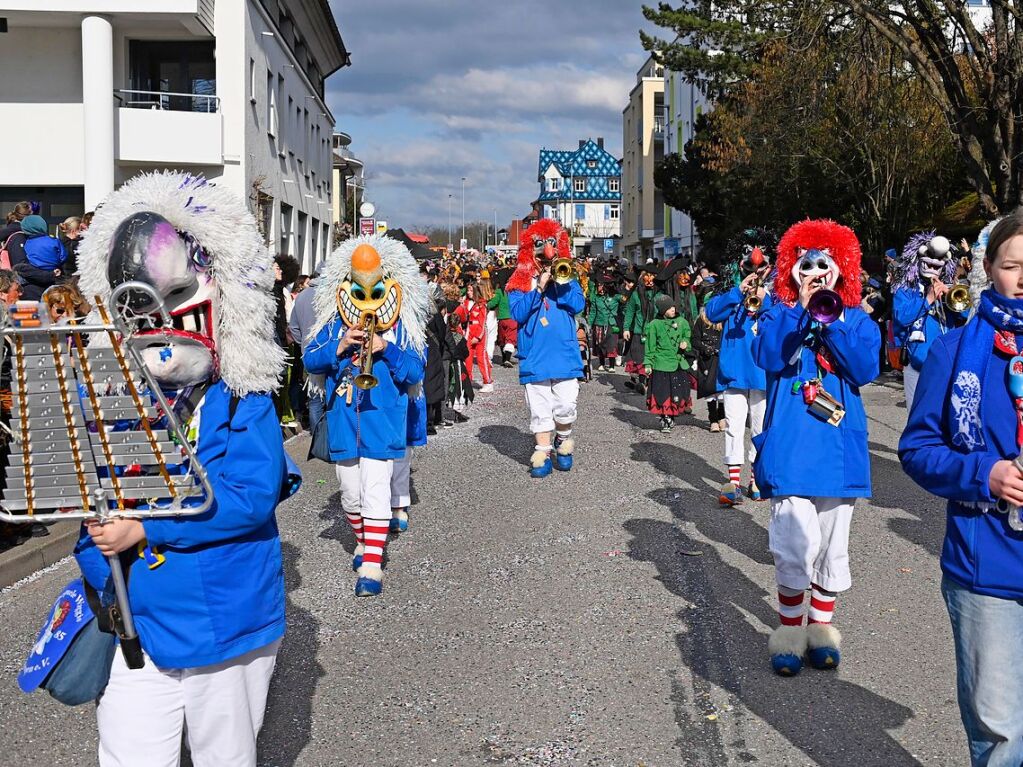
x: 401, y: 493
x: 367, y: 420
x: 963, y: 442
x: 213, y: 610
x: 818, y: 348
x: 550, y: 363
x: 919, y: 313
x: 739, y: 377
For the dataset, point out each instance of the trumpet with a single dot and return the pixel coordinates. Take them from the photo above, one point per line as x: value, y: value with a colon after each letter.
x: 562, y: 270
x: 366, y: 379
x: 753, y: 302
x: 824, y: 306
x: 957, y: 299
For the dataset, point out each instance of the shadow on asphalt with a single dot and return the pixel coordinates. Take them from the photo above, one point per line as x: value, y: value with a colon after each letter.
x: 894, y: 490
x: 700, y: 506
x: 340, y: 530
x: 509, y: 441
x: 833, y: 722
x: 287, y: 727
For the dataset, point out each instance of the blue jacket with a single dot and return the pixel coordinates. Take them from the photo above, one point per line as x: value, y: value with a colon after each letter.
x: 736, y: 368
x: 220, y: 592
x: 416, y: 436
x: 375, y: 424
x: 798, y: 453
x: 981, y: 551
x: 45, y: 252
x: 548, y: 346
x: 908, y: 306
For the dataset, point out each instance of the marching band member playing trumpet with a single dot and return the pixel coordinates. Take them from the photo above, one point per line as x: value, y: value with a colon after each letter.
x: 370, y: 377
x: 818, y: 348
x: 920, y: 311
x: 550, y: 363
x: 739, y: 377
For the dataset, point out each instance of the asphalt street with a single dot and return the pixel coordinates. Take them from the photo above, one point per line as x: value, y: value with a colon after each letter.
x: 610, y: 616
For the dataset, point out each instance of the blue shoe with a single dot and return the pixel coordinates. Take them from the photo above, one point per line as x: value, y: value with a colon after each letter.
x: 729, y: 495
x: 754, y: 491
x: 368, y: 587
x: 545, y: 470
x: 563, y: 462
x: 399, y: 522
x: 786, y: 665
x: 823, y: 643
x: 356, y: 562
x: 787, y: 645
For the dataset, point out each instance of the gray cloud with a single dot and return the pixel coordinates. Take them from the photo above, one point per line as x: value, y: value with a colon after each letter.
x: 438, y: 90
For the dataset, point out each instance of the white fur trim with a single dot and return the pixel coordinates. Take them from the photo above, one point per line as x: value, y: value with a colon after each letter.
x: 360, y: 549
x: 566, y: 447
x: 398, y: 264
x: 823, y: 635
x: 787, y: 640
x: 373, y: 572
x: 539, y: 458
x: 244, y: 307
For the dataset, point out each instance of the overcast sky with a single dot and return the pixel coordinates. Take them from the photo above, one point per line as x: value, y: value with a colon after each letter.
x: 440, y: 89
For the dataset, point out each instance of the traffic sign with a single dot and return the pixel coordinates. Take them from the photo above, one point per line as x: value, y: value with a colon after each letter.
x: 367, y: 226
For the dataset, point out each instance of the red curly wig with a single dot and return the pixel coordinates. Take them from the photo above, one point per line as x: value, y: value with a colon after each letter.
x: 840, y: 241
x: 526, y: 267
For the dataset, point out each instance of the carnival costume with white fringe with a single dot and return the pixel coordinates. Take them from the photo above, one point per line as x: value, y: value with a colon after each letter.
x: 196, y: 248
x: 368, y: 427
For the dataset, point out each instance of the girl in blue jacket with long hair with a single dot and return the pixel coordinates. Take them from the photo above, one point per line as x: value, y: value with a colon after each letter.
x: 812, y: 459
x: 963, y: 442
x: 368, y: 427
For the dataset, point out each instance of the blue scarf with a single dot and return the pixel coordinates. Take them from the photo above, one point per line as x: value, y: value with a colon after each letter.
x: 996, y: 312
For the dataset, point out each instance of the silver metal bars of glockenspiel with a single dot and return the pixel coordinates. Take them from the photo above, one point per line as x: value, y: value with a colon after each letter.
x: 91, y: 434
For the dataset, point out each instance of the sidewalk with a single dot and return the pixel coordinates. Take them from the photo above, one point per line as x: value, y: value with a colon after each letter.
x: 37, y: 553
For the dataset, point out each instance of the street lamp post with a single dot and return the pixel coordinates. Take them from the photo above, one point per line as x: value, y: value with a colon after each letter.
x: 463, y: 208
x: 449, y: 219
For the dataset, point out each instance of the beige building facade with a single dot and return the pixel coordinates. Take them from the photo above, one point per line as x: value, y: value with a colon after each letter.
x: 643, y: 147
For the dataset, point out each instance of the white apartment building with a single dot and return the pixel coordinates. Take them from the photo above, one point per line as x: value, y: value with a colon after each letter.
x: 96, y: 91
x: 684, y: 101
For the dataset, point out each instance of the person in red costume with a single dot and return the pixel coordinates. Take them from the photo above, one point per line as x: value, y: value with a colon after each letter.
x: 473, y: 314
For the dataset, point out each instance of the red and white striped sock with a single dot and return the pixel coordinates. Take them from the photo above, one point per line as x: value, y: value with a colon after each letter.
x: 375, y: 538
x: 735, y: 474
x: 355, y: 520
x: 822, y: 605
x: 790, y: 606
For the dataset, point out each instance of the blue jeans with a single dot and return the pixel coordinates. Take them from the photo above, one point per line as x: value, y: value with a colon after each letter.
x: 316, y: 405
x: 988, y: 634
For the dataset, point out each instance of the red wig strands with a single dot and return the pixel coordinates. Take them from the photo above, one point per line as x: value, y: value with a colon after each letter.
x: 525, y: 269
x: 821, y: 234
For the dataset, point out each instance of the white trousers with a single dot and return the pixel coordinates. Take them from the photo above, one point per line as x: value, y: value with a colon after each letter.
x: 401, y: 494
x: 142, y: 712
x: 491, y: 333
x: 809, y: 539
x: 909, y: 380
x: 551, y: 402
x: 366, y: 487
x: 740, y: 404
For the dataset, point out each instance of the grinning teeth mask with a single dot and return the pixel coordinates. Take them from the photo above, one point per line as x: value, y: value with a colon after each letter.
x: 817, y: 265
x: 197, y: 246
x: 933, y: 256
x: 366, y: 292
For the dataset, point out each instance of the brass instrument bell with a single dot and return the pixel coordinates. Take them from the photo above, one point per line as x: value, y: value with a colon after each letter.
x: 957, y: 299
x: 753, y: 302
x: 562, y: 270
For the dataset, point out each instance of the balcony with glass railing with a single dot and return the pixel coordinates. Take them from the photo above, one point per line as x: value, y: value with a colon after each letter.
x: 169, y: 128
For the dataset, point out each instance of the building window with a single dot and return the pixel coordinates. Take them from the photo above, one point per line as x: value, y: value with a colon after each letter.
x: 554, y: 185
x: 579, y: 184
x: 580, y: 212
x: 614, y: 185
x: 613, y: 211
x: 175, y: 75
x: 591, y: 164
x: 286, y: 228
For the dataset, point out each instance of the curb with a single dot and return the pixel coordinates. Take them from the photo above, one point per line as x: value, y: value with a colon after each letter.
x: 36, y: 553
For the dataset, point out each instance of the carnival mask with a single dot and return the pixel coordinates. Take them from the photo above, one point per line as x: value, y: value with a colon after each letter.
x: 147, y: 248
x: 933, y: 257
x: 818, y: 265
x: 366, y: 292
x: 545, y: 250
